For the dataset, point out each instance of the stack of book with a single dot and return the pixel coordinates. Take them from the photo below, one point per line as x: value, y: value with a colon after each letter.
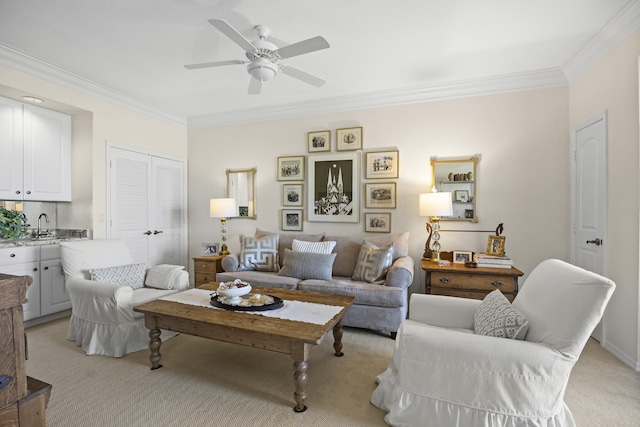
x: 490, y: 261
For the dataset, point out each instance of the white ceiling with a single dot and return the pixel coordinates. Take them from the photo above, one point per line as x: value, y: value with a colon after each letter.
x: 382, y: 51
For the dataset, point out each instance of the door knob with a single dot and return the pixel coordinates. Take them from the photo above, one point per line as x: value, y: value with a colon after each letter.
x: 596, y: 241
x: 148, y: 232
x: 157, y: 232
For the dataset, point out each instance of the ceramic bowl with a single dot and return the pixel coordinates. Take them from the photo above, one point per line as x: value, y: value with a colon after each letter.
x: 232, y: 292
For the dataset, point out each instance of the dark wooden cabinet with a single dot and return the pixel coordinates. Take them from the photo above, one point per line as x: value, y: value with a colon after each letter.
x: 22, y: 399
x: 460, y: 281
x: 206, y: 267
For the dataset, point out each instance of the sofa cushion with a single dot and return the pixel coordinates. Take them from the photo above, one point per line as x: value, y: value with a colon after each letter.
x: 373, y: 263
x: 260, y: 254
x: 365, y: 293
x: 130, y: 275
x: 307, y: 265
x: 495, y: 317
x: 347, y: 249
x: 259, y: 278
x: 286, y: 240
x: 400, y: 243
x: 324, y: 247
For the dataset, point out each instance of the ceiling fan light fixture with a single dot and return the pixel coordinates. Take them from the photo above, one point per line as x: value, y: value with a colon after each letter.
x: 262, y: 70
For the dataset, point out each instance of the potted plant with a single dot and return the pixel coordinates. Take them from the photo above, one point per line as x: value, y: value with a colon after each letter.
x: 13, y: 225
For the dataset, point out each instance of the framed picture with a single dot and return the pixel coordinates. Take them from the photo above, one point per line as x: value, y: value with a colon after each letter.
x: 292, y: 219
x: 468, y: 213
x: 462, y: 196
x: 349, y: 139
x: 333, y: 188
x: 382, y: 164
x: 460, y: 257
x: 243, y: 210
x: 380, y: 195
x: 319, y: 141
x: 495, y: 246
x: 292, y: 194
x: 209, y: 249
x: 377, y: 222
x: 290, y: 168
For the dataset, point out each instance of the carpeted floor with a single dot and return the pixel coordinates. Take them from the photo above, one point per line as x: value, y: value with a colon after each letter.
x: 208, y: 383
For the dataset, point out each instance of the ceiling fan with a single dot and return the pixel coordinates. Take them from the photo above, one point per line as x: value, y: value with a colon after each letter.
x: 264, y: 57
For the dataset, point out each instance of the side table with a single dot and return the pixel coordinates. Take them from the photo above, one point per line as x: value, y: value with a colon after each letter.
x: 467, y: 282
x: 206, y: 267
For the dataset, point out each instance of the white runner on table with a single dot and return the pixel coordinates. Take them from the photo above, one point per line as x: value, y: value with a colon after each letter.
x: 299, y: 311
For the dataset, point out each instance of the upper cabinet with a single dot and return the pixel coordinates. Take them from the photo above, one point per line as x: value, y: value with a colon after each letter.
x: 458, y: 177
x: 35, y: 153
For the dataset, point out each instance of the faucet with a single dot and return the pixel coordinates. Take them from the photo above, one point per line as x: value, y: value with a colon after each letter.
x: 46, y: 220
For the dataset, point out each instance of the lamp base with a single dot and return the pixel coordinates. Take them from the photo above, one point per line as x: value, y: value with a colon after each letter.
x: 224, y: 250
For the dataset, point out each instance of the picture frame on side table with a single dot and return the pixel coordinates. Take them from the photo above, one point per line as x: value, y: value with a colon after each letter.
x: 382, y: 164
x: 210, y: 249
x: 461, y: 257
x: 290, y: 168
x: 319, y: 141
x: 349, y: 139
x: 495, y: 246
x: 292, y: 219
x: 292, y: 194
x: 333, y: 192
x: 377, y: 222
x: 380, y: 195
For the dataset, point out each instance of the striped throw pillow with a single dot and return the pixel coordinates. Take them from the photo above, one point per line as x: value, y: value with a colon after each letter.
x: 313, y: 247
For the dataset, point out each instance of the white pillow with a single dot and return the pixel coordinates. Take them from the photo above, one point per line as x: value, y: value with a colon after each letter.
x: 164, y: 276
x: 131, y: 275
x: 495, y: 317
x: 313, y: 247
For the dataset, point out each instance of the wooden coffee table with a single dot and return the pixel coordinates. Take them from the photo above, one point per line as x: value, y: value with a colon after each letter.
x: 279, y: 335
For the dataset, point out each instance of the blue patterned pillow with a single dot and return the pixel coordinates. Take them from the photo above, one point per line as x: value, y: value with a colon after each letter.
x: 259, y: 254
x: 131, y: 275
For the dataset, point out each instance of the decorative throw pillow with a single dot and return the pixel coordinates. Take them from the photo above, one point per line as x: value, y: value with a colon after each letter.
x: 495, y: 317
x: 131, y: 275
x: 259, y: 254
x: 373, y: 263
x: 307, y: 265
x: 315, y: 247
x: 400, y: 242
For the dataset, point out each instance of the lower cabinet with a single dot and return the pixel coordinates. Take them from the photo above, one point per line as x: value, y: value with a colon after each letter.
x: 47, y: 294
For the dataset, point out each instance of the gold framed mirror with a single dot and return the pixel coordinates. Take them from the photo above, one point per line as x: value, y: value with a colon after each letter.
x: 460, y: 178
x: 241, y: 187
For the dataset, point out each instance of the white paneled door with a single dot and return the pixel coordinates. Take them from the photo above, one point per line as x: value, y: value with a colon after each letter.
x: 147, y: 206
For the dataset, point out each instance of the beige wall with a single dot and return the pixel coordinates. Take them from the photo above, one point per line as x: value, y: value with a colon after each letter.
x: 523, y: 174
x: 612, y: 86
x: 98, y: 121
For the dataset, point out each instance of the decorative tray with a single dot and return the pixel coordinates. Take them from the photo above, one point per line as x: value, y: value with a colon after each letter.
x: 250, y: 302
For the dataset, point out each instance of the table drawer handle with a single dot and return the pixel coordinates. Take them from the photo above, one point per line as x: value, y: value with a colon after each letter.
x: 445, y: 280
x: 497, y: 283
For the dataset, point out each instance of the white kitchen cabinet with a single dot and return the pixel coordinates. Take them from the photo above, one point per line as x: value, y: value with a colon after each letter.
x: 47, y: 294
x: 35, y: 153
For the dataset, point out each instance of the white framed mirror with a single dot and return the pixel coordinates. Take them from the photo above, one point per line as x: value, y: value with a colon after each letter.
x: 241, y: 187
x: 458, y: 177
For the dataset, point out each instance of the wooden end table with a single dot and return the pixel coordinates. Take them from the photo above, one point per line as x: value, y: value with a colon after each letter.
x: 467, y: 282
x: 206, y: 267
x: 279, y: 335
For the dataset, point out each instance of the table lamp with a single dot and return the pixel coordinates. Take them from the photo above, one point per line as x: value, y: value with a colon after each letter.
x: 435, y: 205
x: 223, y: 209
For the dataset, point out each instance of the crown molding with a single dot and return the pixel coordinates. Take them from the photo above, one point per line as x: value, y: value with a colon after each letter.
x: 618, y: 29
x: 552, y: 77
x: 30, y: 65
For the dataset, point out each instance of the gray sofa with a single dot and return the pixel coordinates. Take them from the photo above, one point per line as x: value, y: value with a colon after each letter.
x: 377, y: 306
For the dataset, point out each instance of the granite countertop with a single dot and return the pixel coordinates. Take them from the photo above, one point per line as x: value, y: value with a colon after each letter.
x: 61, y: 235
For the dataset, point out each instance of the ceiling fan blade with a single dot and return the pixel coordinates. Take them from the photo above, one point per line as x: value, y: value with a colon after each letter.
x: 214, y: 64
x: 232, y: 33
x: 255, y: 86
x: 301, y: 75
x: 305, y: 46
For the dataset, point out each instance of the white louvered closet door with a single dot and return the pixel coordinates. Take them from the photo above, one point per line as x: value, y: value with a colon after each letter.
x: 147, y: 206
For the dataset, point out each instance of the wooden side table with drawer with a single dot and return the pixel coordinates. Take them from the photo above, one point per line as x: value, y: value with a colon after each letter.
x: 466, y: 282
x: 206, y: 267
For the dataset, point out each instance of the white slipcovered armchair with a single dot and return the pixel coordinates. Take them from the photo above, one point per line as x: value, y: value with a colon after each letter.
x: 444, y: 374
x: 102, y: 317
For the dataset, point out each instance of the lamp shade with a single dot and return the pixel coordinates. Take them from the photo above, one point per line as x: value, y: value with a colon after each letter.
x: 222, y: 208
x: 436, y: 204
